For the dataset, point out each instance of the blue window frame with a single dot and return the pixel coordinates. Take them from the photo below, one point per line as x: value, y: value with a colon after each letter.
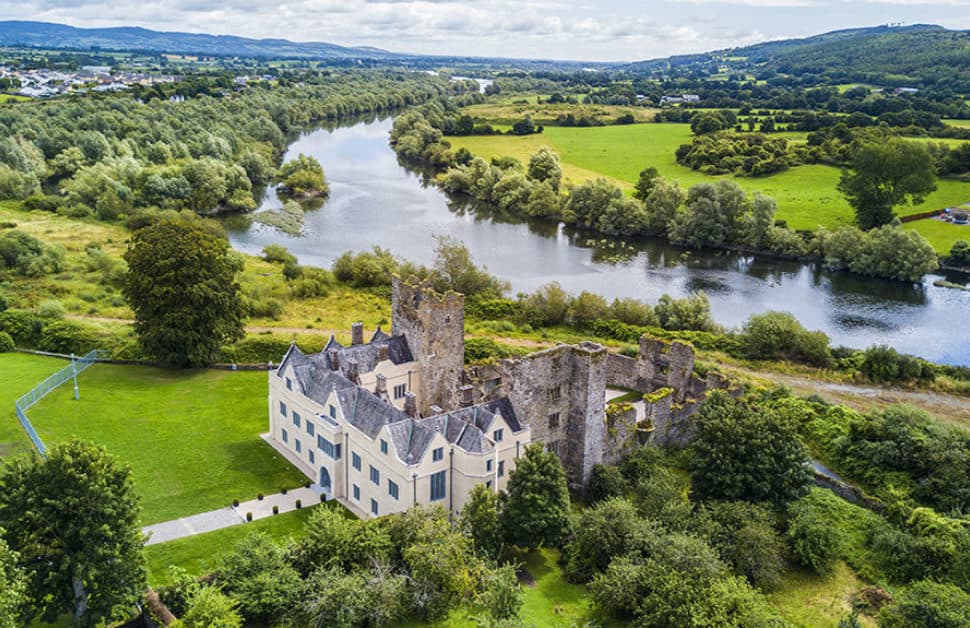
x: 375, y: 476
x: 438, y: 486
x: 373, y: 507
x: 355, y: 460
x: 356, y: 493
x: 296, y: 443
x: 296, y: 419
x: 501, y: 468
x: 383, y: 446
x: 328, y: 448
x: 289, y: 384
x: 497, y: 436
x: 333, y: 412
x: 311, y: 456
x: 286, y: 436
x: 488, y: 465
x: 309, y: 428
x: 437, y: 454
x: 282, y: 408
x: 392, y: 489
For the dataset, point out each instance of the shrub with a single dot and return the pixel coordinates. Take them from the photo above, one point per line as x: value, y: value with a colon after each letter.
x: 276, y: 510
x: 25, y: 255
x: 50, y: 309
x: 235, y: 503
x: 813, y: 540
x: 6, y: 342
x: 276, y: 253
x: 959, y: 254
x: 259, y: 497
x: 365, y: 269
x: 249, y: 516
x: 605, y: 482
x: 886, y: 365
x: 778, y: 335
x: 928, y: 603
x: 299, y: 504
x: 283, y: 491
x: 482, y: 349
x: 60, y: 336
x: 24, y: 327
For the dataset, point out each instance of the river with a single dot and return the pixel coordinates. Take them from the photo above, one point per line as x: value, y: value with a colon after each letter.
x: 375, y: 201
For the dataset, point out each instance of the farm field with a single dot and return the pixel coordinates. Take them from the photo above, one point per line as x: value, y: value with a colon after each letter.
x: 190, y: 437
x: 806, y: 195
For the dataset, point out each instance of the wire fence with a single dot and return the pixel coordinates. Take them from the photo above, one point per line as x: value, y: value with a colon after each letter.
x: 41, y: 390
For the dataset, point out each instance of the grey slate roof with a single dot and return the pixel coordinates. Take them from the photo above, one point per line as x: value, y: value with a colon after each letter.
x: 367, y: 355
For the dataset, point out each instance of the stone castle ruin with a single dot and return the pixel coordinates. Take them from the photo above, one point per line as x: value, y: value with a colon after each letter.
x: 561, y: 393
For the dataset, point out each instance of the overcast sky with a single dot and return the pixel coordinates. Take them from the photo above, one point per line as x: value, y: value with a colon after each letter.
x: 560, y: 29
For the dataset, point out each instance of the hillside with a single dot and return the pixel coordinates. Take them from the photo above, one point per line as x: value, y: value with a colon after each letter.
x: 918, y: 55
x: 123, y: 38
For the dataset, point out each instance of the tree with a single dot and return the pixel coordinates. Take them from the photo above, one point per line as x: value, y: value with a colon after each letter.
x: 536, y: 507
x: 502, y: 597
x: 544, y: 166
x: 602, y: 533
x: 303, y: 176
x: 928, y: 603
x: 257, y: 574
x: 210, y: 608
x: 884, y: 175
x: 13, y: 586
x: 645, y: 182
x: 714, y: 215
x: 814, y: 541
x: 73, y: 519
x: 479, y: 520
x: 747, y: 453
x: 744, y: 537
x: 181, y: 283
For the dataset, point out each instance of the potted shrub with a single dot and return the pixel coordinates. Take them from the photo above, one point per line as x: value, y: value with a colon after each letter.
x: 235, y: 503
x: 283, y: 491
x: 259, y: 497
x: 249, y: 516
x: 299, y: 504
x: 276, y: 510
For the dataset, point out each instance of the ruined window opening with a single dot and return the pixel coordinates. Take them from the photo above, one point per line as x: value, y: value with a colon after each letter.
x: 553, y: 420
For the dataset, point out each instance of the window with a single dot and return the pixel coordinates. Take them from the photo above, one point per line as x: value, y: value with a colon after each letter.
x: 328, y: 448
x: 333, y: 412
x: 438, y: 486
x: 488, y: 484
x: 497, y: 436
x: 356, y: 493
x: 282, y: 408
x: 309, y: 428
x: 501, y: 468
x: 375, y: 476
x: 555, y: 393
x: 289, y: 384
x: 383, y: 446
x: 554, y: 420
x: 296, y: 419
x: 399, y: 390
x: 355, y: 460
x: 392, y: 489
x: 373, y: 507
x: 488, y: 465
x: 297, y: 444
x: 310, y: 454
x: 285, y: 436
x: 438, y: 454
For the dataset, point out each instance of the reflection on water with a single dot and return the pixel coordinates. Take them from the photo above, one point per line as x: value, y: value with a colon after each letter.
x: 375, y: 201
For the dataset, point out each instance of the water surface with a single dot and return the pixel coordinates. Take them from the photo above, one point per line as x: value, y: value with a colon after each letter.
x: 374, y: 201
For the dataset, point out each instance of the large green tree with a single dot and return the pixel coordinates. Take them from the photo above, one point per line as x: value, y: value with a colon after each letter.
x: 884, y: 175
x: 479, y: 519
x: 73, y: 518
x: 181, y: 283
x: 746, y: 452
x: 13, y: 586
x: 536, y: 507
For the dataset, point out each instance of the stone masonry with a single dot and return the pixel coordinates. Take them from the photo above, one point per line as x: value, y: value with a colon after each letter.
x: 434, y: 325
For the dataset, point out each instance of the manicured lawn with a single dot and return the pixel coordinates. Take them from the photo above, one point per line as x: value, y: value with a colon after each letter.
x: 807, y: 600
x: 806, y: 195
x: 191, y: 437
x: 941, y: 234
x: 198, y: 554
x: 19, y: 373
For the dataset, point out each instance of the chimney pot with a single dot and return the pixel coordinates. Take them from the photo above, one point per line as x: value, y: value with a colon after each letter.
x: 410, y: 405
x: 382, y: 352
x: 381, y: 384
x: 334, y: 357
x: 467, y: 395
x: 436, y: 410
x: 357, y: 334
x: 353, y: 374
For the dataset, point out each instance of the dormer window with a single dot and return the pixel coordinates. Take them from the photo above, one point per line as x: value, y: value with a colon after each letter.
x: 289, y: 384
x: 497, y: 436
x: 438, y: 454
x: 383, y: 446
x: 333, y: 412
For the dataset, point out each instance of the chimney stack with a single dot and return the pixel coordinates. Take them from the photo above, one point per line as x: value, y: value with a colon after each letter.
x: 467, y: 395
x: 357, y: 334
x: 334, y: 357
x: 353, y: 374
x: 381, y: 388
x: 436, y: 410
x: 382, y: 352
x: 410, y: 405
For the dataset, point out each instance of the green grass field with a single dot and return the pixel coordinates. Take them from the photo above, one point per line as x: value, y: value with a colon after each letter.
x: 19, y: 373
x: 191, y: 437
x: 806, y: 195
x: 198, y: 554
x: 806, y: 600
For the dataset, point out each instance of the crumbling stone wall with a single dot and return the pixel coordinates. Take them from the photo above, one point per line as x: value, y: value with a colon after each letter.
x: 622, y: 433
x: 560, y: 393
x: 434, y: 325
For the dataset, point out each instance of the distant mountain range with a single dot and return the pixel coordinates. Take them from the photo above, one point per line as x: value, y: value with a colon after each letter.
x: 133, y: 38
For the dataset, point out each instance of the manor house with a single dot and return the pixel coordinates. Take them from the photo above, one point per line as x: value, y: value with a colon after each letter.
x: 398, y: 421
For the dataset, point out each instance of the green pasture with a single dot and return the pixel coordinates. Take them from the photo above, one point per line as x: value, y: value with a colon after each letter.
x: 190, y: 437
x: 19, y: 373
x: 942, y: 235
x: 960, y: 123
x: 806, y: 195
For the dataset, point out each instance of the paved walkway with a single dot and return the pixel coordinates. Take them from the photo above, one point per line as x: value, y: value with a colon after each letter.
x: 230, y: 516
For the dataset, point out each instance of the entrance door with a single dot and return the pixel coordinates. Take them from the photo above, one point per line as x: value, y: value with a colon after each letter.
x: 325, y: 482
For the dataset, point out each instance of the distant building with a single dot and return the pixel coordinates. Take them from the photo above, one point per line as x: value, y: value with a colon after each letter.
x: 682, y: 99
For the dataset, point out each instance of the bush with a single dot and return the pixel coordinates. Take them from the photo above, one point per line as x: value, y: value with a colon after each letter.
x: 299, y: 504
x: 235, y: 503
x: 884, y: 364
x: 959, y: 254
x: 25, y: 255
x: 278, y: 254
x: 249, y: 516
x: 24, y: 327
x: 6, y: 342
x: 928, y: 603
x: 283, y: 491
x: 778, y: 335
x: 814, y: 541
x: 605, y: 482
x: 61, y: 336
x: 259, y: 497
x: 366, y: 269
x: 276, y: 510
x: 484, y: 349
x: 50, y: 309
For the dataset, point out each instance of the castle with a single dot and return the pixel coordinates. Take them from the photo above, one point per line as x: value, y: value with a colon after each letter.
x: 399, y: 420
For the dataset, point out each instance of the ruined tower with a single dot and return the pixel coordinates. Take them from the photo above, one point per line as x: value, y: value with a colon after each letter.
x: 434, y: 325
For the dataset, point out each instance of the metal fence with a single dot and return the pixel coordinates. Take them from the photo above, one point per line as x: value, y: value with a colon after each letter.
x: 41, y: 390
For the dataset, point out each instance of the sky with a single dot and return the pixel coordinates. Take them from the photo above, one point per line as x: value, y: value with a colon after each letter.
x: 594, y: 30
